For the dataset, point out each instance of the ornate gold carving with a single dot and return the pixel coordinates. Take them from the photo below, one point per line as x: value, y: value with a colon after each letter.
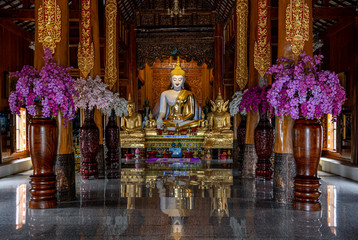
x: 49, y: 24
x: 297, y: 24
x: 111, y: 37
x: 262, y: 48
x: 241, y: 71
x: 85, y: 46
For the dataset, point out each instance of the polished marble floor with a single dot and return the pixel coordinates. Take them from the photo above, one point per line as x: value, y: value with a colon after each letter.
x: 178, y: 202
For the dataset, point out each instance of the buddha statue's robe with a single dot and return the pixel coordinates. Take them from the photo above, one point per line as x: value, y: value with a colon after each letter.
x: 179, y: 108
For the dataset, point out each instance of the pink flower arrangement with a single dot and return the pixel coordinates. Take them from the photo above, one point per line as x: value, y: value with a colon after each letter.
x: 52, y: 86
x: 255, y: 99
x: 92, y: 93
x: 301, y: 90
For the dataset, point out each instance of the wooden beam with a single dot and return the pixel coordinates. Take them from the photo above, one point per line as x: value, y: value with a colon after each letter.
x: 29, y: 15
x: 324, y: 13
x: 12, y: 27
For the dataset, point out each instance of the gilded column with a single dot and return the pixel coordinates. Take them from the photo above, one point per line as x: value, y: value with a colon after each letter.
x: 289, y: 26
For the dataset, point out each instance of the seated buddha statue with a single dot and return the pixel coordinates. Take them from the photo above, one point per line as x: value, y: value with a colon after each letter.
x: 177, y: 105
x: 219, y: 124
x: 150, y: 125
x: 219, y: 119
x: 203, y: 125
x: 131, y: 124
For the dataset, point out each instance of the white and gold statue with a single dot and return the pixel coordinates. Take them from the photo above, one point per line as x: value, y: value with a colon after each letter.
x: 177, y: 105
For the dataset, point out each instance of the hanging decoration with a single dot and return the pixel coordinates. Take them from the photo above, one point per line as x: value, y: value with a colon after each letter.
x: 241, y: 71
x: 262, y: 48
x: 111, y: 38
x: 49, y: 24
x: 297, y: 25
x: 85, y: 46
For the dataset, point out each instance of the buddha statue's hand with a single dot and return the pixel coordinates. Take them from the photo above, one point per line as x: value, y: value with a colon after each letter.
x: 160, y: 123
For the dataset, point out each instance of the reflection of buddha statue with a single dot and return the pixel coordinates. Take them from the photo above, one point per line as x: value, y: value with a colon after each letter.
x: 131, y: 125
x: 177, y: 106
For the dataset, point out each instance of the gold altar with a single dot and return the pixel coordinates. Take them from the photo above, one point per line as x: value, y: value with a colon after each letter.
x: 178, y: 122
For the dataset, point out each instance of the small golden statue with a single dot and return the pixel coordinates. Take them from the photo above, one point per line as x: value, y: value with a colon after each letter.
x: 219, y: 120
x: 203, y: 125
x: 131, y: 125
x: 151, y: 126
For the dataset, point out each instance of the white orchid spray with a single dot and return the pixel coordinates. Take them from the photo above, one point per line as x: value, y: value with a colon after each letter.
x: 119, y: 105
x: 234, y: 104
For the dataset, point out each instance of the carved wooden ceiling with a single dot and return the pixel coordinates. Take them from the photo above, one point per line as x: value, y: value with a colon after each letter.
x: 23, y: 17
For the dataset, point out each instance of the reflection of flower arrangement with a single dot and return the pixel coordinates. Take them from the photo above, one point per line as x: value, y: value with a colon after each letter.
x: 92, y: 93
x: 53, y: 86
x: 301, y: 90
x: 234, y: 104
x: 255, y: 99
x: 119, y: 105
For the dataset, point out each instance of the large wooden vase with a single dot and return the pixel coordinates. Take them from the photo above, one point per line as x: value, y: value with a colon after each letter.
x: 112, y: 143
x: 307, y: 148
x: 241, y: 133
x: 89, y: 143
x: 43, y: 147
x: 264, y: 142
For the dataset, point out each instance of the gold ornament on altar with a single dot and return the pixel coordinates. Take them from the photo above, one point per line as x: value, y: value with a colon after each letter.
x: 85, y: 46
x: 111, y: 37
x: 241, y: 71
x: 297, y: 25
x: 49, y: 24
x: 262, y: 48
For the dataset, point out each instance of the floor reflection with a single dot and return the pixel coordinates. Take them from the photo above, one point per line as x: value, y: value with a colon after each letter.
x: 177, y: 202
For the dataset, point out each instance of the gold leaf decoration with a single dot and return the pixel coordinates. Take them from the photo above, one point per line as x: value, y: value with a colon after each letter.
x: 241, y: 71
x: 49, y: 24
x: 111, y: 36
x: 262, y: 48
x: 297, y: 25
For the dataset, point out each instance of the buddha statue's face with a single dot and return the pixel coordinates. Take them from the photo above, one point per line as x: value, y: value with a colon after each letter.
x: 177, y: 82
x: 219, y: 106
x: 130, y: 107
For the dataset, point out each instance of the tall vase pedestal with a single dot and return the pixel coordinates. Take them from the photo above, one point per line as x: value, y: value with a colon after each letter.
x: 306, y: 194
x: 307, y: 148
x: 43, y: 192
x: 43, y: 147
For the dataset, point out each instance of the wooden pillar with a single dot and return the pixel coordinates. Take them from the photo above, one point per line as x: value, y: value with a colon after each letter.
x: 354, y: 141
x: 133, y: 81
x: 65, y: 160
x: 219, y: 60
x: 98, y: 117
x: 250, y: 157
x: 285, y: 167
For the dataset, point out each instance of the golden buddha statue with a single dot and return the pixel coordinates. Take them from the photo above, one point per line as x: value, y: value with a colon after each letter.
x: 203, y: 125
x: 131, y: 125
x: 177, y: 105
x: 150, y: 125
x: 219, y: 120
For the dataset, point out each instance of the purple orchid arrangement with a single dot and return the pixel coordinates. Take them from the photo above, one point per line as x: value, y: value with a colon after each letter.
x: 52, y: 86
x: 301, y: 90
x: 92, y: 93
x: 255, y: 99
